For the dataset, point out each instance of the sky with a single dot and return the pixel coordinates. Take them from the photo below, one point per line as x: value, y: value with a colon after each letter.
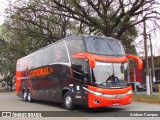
x: 3, y: 5
x: 155, y: 36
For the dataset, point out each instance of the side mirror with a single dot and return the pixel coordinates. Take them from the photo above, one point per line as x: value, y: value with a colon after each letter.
x: 137, y: 59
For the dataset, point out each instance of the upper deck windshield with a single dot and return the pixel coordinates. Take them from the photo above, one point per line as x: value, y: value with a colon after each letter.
x: 95, y: 45
x: 104, y: 46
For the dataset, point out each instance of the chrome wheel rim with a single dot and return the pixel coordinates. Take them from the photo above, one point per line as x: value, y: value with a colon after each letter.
x: 24, y: 95
x: 68, y: 101
x: 29, y: 96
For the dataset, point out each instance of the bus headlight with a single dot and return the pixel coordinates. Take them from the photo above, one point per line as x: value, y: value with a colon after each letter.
x: 97, y: 93
x: 93, y: 92
x: 129, y: 92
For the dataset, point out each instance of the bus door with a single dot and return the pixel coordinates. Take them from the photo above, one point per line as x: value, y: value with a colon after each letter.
x: 81, y: 78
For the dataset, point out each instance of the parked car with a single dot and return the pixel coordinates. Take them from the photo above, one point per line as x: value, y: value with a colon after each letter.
x: 139, y: 86
x: 2, y: 84
x: 155, y: 86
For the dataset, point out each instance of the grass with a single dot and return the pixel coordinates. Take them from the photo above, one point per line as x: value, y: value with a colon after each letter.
x: 147, y: 98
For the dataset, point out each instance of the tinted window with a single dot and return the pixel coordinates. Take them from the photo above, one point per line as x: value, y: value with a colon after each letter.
x: 56, y: 53
x: 75, y: 46
x: 39, y: 59
x: 80, y: 69
x: 60, y: 53
x: 32, y: 61
x: 104, y: 46
x: 48, y: 56
x: 20, y: 65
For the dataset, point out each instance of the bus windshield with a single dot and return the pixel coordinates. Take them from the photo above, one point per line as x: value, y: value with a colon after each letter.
x: 109, y: 73
x: 104, y: 46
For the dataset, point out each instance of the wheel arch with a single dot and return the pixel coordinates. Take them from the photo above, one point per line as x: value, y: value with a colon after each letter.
x: 66, y: 89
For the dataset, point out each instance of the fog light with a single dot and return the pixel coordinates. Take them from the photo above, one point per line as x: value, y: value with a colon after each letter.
x: 96, y: 101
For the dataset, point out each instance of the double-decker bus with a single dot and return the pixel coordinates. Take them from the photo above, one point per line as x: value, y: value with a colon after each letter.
x: 89, y: 71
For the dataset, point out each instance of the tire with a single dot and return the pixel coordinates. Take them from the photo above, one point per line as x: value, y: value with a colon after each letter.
x: 29, y: 96
x: 25, y: 95
x: 68, y: 101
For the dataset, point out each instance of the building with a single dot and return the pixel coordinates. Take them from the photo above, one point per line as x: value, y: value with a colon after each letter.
x: 140, y: 74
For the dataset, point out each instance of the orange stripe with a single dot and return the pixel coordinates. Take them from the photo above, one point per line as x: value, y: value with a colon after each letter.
x: 110, y: 59
x: 93, y: 57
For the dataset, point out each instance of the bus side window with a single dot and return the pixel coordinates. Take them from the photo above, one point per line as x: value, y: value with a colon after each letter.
x: 75, y: 46
x: 20, y: 65
x: 60, y: 53
x: 56, y: 53
x: 77, y: 71
x: 39, y: 59
x: 80, y: 69
x: 32, y: 61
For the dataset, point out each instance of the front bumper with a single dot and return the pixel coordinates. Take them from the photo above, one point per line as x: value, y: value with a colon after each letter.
x: 98, y: 101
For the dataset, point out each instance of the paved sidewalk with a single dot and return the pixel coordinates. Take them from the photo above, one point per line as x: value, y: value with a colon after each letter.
x: 144, y: 93
x: 10, y: 102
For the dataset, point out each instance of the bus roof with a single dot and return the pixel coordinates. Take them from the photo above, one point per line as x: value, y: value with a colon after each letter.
x: 73, y: 37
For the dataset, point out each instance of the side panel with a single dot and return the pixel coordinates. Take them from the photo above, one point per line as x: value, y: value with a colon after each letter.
x: 46, y: 83
x: 44, y: 72
x: 57, y: 81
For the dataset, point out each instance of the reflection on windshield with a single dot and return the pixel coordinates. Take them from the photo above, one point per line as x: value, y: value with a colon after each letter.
x: 104, y: 46
x: 109, y: 72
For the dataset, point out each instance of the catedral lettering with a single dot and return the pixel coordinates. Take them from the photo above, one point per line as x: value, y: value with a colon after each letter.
x: 89, y: 71
x: 39, y: 72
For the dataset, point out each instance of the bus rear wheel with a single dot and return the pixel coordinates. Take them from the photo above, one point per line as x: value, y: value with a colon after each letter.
x: 25, y: 95
x: 29, y: 96
x: 68, y: 101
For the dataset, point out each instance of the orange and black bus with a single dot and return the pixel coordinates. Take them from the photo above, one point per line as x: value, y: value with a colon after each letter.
x: 89, y: 71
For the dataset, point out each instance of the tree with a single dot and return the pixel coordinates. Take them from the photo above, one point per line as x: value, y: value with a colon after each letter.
x: 25, y: 31
x: 114, y: 18
x: 105, y: 17
x: 32, y: 24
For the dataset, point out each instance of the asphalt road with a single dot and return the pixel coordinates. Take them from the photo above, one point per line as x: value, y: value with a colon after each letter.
x: 11, y: 102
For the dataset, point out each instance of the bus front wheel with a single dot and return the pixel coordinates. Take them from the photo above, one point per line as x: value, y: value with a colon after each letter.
x: 68, y: 101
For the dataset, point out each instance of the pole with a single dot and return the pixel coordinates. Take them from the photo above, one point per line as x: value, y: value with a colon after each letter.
x: 135, y: 87
x: 150, y: 77
x: 146, y: 60
x: 128, y: 74
x: 152, y: 61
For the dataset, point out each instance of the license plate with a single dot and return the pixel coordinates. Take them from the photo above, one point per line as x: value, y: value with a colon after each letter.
x: 115, y: 104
